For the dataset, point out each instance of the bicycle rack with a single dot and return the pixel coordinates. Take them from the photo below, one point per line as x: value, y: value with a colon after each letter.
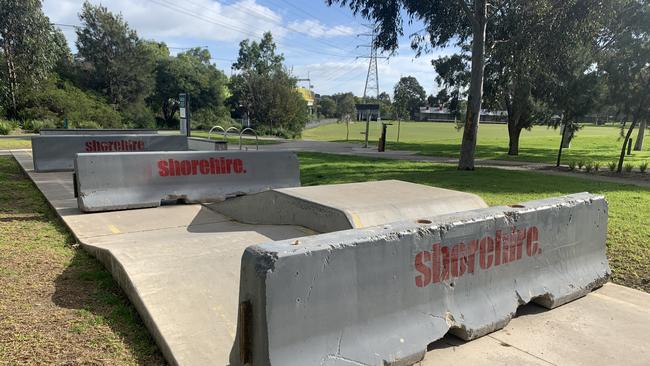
x: 225, y: 133
x: 215, y: 128
x: 257, y: 141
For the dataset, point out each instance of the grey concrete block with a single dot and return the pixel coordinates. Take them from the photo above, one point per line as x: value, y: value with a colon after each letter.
x: 379, y: 296
x: 57, y: 153
x: 115, y: 181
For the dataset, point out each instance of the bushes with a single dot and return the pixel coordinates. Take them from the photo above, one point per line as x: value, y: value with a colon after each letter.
x: 6, y: 127
x: 572, y: 165
x: 643, y: 167
x: 36, y: 125
x: 588, y: 167
x: 612, y: 166
x: 628, y: 167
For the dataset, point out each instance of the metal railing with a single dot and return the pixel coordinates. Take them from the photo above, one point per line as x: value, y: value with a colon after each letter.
x: 257, y: 141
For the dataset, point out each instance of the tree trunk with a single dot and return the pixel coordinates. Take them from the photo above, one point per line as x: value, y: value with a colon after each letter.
x: 513, y: 144
x: 627, y: 137
x: 472, y: 119
x: 638, y: 146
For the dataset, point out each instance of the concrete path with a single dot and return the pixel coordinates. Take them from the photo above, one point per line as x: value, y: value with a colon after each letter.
x: 179, y: 265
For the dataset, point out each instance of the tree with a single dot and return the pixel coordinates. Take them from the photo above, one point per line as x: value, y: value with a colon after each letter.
x: 627, y: 66
x: 446, y: 22
x: 264, y: 91
x: 345, y: 105
x: 119, y: 64
x: 29, y: 51
x: 188, y: 72
x: 409, y: 97
x: 327, y: 106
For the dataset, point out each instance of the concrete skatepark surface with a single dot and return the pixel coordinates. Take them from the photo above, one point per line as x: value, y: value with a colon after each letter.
x: 180, y: 264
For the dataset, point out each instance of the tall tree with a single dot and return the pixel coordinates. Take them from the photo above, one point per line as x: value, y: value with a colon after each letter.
x: 265, y: 91
x: 188, y: 72
x: 627, y: 65
x: 120, y: 65
x: 345, y: 105
x: 29, y: 51
x: 446, y: 22
x: 409, y: 97
x: 327, y: 106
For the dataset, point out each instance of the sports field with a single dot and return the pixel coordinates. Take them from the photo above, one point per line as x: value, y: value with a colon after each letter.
x: 540, y: 144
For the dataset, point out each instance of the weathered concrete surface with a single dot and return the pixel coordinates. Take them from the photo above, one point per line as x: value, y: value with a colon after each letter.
x: 116, y: 181
x: 607, y: 327
x: 346, y: 206
x: 379, y: 296
x: 96, y: 131
x: 57, y: 153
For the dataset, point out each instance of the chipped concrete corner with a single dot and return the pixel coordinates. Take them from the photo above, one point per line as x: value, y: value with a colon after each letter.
x: 380, y: 295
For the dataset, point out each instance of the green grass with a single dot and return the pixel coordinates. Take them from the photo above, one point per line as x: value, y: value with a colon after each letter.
x: 592, y: 143
x: 58, y: 305
x: 628, y: 240
x: 8, y: 144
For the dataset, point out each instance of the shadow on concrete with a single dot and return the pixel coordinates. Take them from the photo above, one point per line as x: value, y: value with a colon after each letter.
x: 209, y: 221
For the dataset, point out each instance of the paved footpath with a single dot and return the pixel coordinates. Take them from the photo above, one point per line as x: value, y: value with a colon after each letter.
x: 179, y: 265
x: 356, y: 149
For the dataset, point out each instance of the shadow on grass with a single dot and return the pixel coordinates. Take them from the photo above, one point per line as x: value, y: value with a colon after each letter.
x: 84, y: 284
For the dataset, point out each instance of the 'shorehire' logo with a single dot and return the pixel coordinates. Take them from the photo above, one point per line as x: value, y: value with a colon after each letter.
x: 212, y: 166
x: 454, y: 261
x: 108, y: 146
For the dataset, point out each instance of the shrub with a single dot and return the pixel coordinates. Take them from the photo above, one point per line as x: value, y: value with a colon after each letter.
x: 85, y: 124
x: 6, y: 127
x: 612, y: 166
x: 37, y: 124
x: 572, y: 165
x: 589, y: 166
x: 629, y: 167
x: 643, y: 166
x: 596, y: 166
x: 580, y: 164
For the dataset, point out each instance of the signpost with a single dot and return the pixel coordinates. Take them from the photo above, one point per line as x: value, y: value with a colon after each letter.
x: 184, y: 104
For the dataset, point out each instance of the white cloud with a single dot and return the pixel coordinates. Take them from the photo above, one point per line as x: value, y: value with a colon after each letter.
x: 169, y: 19
x: 316, y: 29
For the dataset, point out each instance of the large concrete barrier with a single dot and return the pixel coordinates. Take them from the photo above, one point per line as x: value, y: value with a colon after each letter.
x: 116, y: 181
x: 57, y: 153
x: 95, y: 131
x: 379, y: 296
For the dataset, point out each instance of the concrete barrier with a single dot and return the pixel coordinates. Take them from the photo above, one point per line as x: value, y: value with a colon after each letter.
x: 57, y: 153
x: 201, y: 144
x: 95, y: 131
x: 347, y: 206
x: 115, y: 181
x: 379, y: 296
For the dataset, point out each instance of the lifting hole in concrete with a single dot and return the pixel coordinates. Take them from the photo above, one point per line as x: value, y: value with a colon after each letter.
x: 517, y: 206
x: 423, y: 221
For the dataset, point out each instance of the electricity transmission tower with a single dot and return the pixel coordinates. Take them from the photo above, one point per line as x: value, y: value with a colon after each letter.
x: 372, y: 78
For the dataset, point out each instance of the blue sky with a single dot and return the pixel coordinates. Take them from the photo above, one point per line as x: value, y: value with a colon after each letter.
x: 316, y: 40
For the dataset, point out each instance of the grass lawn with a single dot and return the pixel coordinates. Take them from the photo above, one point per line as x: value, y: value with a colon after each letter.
x: 7, y: 144
x: 57, y: 304
x: 592, y: 143
x: 628, y: 240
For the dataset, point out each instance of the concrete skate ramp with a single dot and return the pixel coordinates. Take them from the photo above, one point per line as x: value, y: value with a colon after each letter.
x: 96, y: 131
x: 347, y: 206
x: 117, y: 181
x: 57, y: 153
x: 379, y: 296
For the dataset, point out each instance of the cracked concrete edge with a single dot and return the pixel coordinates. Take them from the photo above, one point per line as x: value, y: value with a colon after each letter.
x: 280, y: 272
